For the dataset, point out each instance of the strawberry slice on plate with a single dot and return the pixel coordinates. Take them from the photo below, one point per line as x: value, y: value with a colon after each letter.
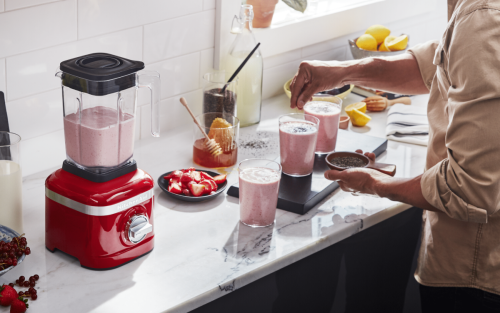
x: 196, y: 176
x: 214, y: 185
x: 186, y: 177
x: 220, y: 179
x: 197, y: 190
x: 208, y: 186
x: 206, y: 176
x: 175, y: 188
x: 177, y: 174
x: 186, y: 192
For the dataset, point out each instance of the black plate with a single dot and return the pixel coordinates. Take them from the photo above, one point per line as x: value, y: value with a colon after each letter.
x: 164, y: 186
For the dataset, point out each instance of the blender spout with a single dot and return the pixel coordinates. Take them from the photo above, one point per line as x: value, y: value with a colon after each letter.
x: 59, y: 74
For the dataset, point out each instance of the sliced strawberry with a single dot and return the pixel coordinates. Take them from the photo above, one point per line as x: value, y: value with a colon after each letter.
x: 191, y: 169
x: 175, y: 180
x: 197, y: 189
x: 175, y: 188
x: 186, y: 192
x: 196, y: 176
x: 206, y: 176
x: 173, y: 174
x: 212, y: 193
x: 214, y: 185
x: 186, y: 178
x: 208, y: 186
x: 219, y: 179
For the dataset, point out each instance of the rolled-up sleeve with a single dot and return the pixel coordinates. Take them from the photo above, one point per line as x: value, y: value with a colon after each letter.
x: 466, y: 185
x: 424, y: 54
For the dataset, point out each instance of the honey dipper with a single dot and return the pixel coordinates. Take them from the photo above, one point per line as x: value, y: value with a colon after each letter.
x: 378, y: 103
x: 213, y: 146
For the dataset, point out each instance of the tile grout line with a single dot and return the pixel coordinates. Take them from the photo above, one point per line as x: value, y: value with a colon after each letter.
x: 28, y: 7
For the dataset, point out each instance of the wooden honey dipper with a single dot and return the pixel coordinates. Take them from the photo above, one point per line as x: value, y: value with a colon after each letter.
x: 378, y: 103
x: 213, y: 146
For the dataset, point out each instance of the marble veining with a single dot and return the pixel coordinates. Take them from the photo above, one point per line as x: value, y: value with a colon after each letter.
x: 201, y: 252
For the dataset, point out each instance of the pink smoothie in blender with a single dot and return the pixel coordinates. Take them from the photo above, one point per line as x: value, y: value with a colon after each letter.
x: 297, y: 145
x: 259, y: 188
x: 328, y: 114
x: 97, y: 139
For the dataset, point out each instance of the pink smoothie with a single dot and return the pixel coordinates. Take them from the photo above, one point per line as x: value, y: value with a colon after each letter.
x: 98, y: 140
x: 258, y: 195
x: 297, y: 146
x: 329, y: 115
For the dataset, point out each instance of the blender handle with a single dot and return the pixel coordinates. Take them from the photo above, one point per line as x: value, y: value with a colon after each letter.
x: 151, y: 80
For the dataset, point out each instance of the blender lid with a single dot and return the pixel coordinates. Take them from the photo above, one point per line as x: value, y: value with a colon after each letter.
x: 100, y: 66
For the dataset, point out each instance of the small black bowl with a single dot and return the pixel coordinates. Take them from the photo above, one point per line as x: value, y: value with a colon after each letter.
x: 163, y: 183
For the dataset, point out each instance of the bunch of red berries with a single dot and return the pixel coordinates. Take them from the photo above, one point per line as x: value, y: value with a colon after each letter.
x: 31, y: 282
x: 10, y: 252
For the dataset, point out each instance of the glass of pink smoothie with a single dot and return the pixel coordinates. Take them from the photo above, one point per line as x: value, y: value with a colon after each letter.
x: 328, y: 114
x: 259, y: 183
x: 298, y: 136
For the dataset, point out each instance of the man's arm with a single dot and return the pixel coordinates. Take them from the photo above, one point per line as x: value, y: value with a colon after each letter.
x: 399, y: 74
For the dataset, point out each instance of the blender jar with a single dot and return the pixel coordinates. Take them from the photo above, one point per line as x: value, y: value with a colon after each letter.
x: 100, y: 102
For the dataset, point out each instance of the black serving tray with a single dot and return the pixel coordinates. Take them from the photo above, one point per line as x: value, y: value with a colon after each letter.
x: 301, y: 194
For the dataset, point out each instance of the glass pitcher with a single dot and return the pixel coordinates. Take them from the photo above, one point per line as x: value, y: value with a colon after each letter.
x: 249, y: 89
x: 99, y: 109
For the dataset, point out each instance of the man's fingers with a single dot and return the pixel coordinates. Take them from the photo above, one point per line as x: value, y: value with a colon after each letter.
x: 370, y: 155
x: 359, y: 151
x: 334, y: 175
x: 296, y: 88
x: 343, y: 186
x: 306, y: 95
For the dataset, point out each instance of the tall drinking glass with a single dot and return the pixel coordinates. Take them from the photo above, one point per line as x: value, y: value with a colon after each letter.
x: 11, y: 214
x: 259, y: 185
x: 328, y: 114
x: 298, y: 135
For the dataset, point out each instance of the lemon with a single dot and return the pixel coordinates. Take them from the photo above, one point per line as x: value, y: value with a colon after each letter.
x: 383, y: 46
x: 359, y: 118
x: 378, y: 32
x: 361, y: 106
x: 398, y: 43
x: 367, y: 42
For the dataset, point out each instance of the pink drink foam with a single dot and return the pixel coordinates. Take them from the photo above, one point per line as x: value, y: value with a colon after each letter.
x: 96, y: 140
x: 297, y: 146
x: 259, y: 188
x: 329, y: 116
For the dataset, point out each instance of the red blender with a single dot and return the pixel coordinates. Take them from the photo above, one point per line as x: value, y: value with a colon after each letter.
x: 99, y: 206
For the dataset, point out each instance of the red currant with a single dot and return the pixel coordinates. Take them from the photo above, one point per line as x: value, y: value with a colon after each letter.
x: 33, y: 297
x: 26, y: 284
x: 27, y: 251
x: 22, y: 278
x: 36, y: 276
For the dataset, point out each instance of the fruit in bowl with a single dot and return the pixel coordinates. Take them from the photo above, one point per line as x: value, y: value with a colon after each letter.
x: 192, y: 183
x: 377, y: 38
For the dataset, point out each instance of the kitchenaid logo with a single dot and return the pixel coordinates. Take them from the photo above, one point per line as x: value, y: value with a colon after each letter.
x: 130, y: 203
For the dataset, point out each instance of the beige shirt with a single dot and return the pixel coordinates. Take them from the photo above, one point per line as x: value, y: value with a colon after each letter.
x: 461, y: 243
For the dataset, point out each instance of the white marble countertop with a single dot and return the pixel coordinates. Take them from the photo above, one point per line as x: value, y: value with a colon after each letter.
x: 202, y: 252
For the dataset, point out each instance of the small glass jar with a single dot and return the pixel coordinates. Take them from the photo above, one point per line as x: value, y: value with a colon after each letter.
x: 213, y: 98
x: 226, y: 137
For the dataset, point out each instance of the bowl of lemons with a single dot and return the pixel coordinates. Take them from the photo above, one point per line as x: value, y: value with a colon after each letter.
x: 377, y: 41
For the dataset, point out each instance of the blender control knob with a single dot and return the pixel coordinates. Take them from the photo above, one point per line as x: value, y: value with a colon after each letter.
x: 139, y: 228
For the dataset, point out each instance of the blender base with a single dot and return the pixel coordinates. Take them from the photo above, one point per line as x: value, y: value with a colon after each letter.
x: 129, y: 167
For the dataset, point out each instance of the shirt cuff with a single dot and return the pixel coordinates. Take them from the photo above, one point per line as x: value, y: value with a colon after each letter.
x: 424, y: 54
x: 437, y: 192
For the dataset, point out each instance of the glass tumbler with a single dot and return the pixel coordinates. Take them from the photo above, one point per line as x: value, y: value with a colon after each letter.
x: 259, y: 183
x: 214, y: 100
x: 298, y: 136
x: 11, y: 213
x: 216, y: 127
x: 328, y: 114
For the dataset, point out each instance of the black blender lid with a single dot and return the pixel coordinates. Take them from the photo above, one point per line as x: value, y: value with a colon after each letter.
x: 100, y: 66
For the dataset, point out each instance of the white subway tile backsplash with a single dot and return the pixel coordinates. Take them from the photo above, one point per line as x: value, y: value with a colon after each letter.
x: 179, y: 36
x: 99, y: 17
x: 1, y: 5
x: 18, y: 4
x: 206, y: 63
x: 173, y: 116
x: 338, y: 54
x: 282, y: 58
x: 327, y: 45
x: 33, y: 72
x: 2, y: 76
x: 37, y: 115
x: 178, y: 75
x: 208, y: 4
x: 37, y: 27
x: 276, y: 77
x: 43, y: 152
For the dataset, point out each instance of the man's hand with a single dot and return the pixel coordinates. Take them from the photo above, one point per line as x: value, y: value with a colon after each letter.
x: 359, y: 180
x: 313, y: 77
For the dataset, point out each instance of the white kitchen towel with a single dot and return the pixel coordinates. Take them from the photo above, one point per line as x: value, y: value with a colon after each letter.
x: 407, y: 123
